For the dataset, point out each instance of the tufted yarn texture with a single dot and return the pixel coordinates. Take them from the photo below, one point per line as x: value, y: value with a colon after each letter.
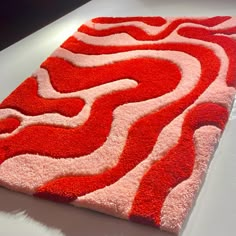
x: 124, y: 117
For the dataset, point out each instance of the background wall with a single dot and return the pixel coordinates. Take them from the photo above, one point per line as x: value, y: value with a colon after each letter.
x: 19, y: 18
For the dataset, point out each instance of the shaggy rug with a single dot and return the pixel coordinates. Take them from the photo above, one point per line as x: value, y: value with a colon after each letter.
x: 123, y: 117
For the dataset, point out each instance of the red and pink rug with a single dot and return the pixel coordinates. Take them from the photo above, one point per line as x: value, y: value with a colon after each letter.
x: 124, y: 117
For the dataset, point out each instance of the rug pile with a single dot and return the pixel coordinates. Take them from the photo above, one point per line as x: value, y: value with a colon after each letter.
x: 123, y: 117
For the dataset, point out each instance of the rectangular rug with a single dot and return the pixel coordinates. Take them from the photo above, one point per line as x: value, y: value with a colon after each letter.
x: 123, y: 117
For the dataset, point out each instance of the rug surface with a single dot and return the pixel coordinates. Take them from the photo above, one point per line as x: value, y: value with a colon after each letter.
x: 123, y: 117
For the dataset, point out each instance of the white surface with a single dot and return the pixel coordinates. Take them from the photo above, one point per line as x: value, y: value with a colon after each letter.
x: 215, y: 211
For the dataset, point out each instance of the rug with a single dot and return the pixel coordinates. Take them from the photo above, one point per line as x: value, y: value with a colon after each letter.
x: 123, y: 117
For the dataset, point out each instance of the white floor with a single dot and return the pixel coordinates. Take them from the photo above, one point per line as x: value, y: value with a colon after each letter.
x: 215, y: 210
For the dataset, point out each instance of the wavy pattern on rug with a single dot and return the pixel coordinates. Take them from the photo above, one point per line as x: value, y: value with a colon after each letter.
x: 123, y: 117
